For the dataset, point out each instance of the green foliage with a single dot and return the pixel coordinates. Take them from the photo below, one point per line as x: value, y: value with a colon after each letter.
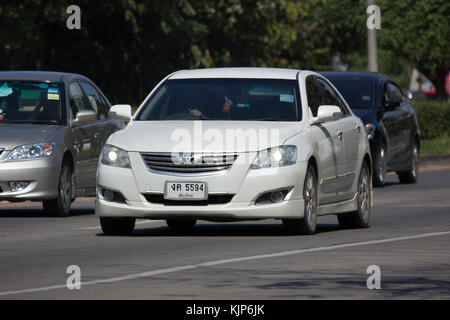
x: 419, y: 30
x: 434, y: 118
x: 128, y: 46
x: 439, y: 145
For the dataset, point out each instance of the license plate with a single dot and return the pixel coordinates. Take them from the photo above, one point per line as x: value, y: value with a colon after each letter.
x: 185, y: 191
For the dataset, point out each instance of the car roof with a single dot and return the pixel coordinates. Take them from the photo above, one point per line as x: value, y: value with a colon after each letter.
x: 39, y: 76
x: 249, y: 73
x: 366, y: 75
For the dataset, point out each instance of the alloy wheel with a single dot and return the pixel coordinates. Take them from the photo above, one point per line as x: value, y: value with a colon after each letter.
x: 310, y: 200
x: 364, y: 194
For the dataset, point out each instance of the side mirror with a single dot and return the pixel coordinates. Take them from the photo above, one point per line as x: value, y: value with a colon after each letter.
x: 327, y: 113
x: 85, y: 116
x: 391, y: 105
x: 120, y: 112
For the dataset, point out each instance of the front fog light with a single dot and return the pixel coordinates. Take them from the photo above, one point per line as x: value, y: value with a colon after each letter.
x: 18, y: 186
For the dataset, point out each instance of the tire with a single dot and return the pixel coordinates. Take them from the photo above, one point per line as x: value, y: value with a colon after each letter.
x: 359, y: 218
x: 307, y: 224
x: 379, y: 170
x: 181, y: 224
x: 412, y: 175
x: 60, y: 207
x: 117, y: 226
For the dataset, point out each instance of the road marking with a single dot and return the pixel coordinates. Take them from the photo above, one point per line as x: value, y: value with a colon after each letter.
x: 434, y: 168
x: 137, y: 223
x: 16, y: 204
x: 226, y: 261
x: 425, y: 169
x: 12, y: 204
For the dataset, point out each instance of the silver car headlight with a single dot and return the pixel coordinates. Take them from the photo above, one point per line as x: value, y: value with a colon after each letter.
x: 275, y: 157
x: 31, y: 151
x: 113, y: 156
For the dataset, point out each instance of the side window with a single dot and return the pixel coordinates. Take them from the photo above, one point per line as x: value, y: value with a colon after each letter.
x: 394, y: 92
x: 341, y: 103
x: 331, y: 97
x: 76, y: 99
x: 314, y: 95
x: 98, y: 104
x: 386, y: 97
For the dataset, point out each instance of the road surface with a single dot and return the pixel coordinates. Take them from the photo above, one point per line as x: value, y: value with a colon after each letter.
x: 408, y: 240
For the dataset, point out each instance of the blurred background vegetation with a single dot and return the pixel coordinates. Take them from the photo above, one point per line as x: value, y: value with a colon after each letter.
x: 128, y: 46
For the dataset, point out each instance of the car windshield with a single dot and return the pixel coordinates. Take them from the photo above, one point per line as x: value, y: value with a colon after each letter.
x: 30, y: 102
x: 358, y: 92
x: 224, y: 99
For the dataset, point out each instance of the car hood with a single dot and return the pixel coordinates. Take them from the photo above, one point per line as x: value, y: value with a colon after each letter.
x: 201, y: 136
x: 14, y: 134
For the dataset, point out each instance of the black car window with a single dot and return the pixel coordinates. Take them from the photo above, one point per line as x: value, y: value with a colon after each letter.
x: 394, y: 92
x: 98, y: 104
x: 314, y: 95
x: 77, y: 100
x: 357, y: 92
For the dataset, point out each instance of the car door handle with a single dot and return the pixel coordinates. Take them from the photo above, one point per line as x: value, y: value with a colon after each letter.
x: 339, y: 135
x: 358, y: 129
x: 97, y: 135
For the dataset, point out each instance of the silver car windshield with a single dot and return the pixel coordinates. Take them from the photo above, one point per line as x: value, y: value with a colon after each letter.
x: 30, y: 102
x: 224, y: 99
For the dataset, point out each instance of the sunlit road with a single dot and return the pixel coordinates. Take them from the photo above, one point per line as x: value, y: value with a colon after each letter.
x: 409, y: 239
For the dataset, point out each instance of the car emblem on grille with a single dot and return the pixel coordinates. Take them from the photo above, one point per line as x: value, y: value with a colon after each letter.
x: 186, y: 158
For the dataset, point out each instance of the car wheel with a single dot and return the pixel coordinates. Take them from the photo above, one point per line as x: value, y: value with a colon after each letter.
x: 379, y: 170
x: 117, y: 226
x: 411, y: 176
x: 60, y: 207
x: 359, y: 218
x: 181, y: 223
x: 307, y: 224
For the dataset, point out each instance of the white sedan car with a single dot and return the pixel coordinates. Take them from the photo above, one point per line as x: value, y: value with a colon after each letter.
x: 235, y: 144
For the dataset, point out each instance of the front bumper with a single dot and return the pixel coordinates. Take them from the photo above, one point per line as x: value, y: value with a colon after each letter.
x: 43, y: 175
x: 246, y: 185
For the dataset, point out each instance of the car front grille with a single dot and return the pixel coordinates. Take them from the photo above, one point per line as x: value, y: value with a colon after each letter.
x: 212, y: 199
x: 189, y: 163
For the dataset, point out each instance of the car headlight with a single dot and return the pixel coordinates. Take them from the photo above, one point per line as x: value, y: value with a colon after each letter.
x: 31, y: 151
x: 113, y: 156
x: 275, y: 157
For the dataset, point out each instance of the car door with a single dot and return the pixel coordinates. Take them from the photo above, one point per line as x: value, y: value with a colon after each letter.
x: 404, y: 119
x: 85, y: 137
x: 392, y: 123
x: 329, y: 143
x: 99, y: 104
x: 350, y: 139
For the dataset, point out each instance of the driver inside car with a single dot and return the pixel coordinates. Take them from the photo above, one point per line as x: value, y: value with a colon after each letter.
x: 225, y: 108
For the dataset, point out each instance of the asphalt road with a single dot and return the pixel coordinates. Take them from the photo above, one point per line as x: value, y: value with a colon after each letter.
x: 409, y: 240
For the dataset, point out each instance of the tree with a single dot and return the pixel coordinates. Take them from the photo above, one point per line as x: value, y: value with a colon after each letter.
x: 419, y: 30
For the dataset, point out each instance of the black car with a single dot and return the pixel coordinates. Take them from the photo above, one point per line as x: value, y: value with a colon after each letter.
x: 390, y: 121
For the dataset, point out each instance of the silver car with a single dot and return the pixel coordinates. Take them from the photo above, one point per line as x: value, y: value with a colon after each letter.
x: 52, y: 129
